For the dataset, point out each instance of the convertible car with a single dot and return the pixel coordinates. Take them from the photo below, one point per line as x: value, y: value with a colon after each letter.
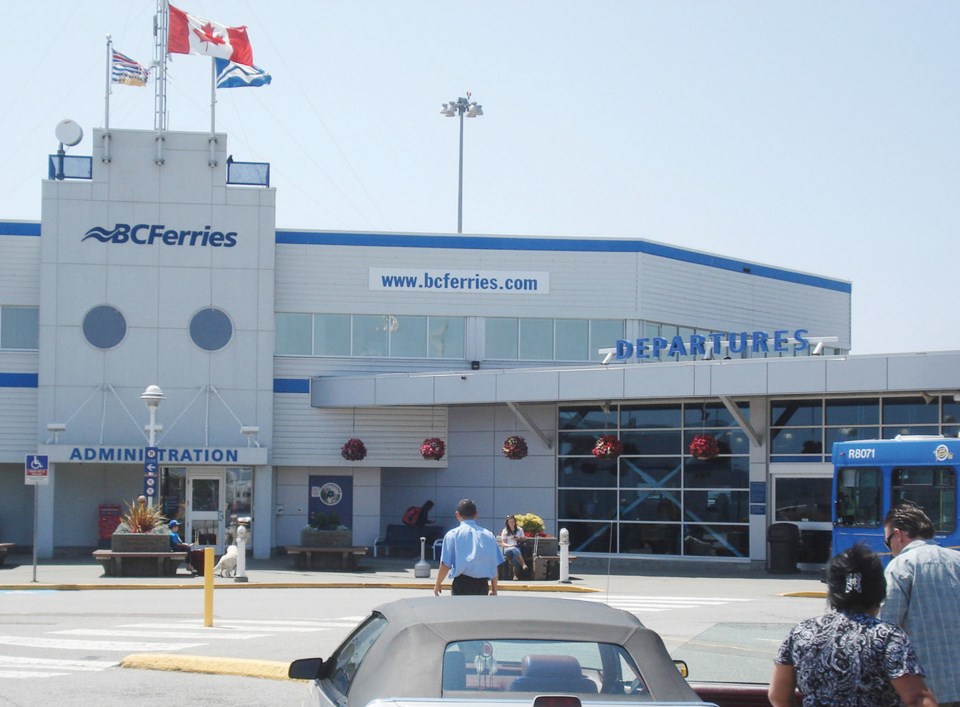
x: 497, y: 651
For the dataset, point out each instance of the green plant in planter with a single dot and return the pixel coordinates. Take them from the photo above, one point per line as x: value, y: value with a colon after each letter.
x: 143, y: 518
x: 321, y: 520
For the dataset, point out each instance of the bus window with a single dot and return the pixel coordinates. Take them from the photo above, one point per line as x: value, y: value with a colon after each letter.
x: 933, y: 488
x: 858, y: 497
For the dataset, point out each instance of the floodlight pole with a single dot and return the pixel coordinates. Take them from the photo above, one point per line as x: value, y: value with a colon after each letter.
x: 452, y: 109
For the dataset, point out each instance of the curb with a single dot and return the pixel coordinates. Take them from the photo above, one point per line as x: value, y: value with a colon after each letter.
x: 290, y: 585
x: 246, y: 667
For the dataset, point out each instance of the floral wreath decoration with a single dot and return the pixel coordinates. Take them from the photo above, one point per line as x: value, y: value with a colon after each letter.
x: 607, y: 447
x: 433, y: 448
x: 514, y: 447
x: 353, y: 450
x: 704, y: 446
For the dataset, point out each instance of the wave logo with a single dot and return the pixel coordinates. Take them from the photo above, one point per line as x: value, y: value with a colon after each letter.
x: 942, y: 453
x: 150, y: 233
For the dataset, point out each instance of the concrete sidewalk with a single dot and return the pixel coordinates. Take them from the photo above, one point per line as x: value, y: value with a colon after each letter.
x: 618, y: 575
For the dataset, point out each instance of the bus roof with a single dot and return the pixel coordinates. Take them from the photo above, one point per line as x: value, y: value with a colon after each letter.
x: 914, y: 449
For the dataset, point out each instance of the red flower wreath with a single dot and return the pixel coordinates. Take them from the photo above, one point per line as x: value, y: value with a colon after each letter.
x: 608, y: 447
x: 354, y: 450
x: 704, y: 446
x: 433, y: 448
x: 514, y: 447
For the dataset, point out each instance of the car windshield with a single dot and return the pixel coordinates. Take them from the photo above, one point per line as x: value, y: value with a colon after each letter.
x: 570, y: 667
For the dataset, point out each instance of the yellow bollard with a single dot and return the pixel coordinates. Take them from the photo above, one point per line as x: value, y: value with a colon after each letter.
x: 208, y: 586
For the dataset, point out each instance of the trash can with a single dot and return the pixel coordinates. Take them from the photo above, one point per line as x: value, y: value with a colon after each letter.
x: 783, y: 548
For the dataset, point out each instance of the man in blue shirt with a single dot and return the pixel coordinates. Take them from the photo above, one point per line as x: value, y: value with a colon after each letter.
x: 470, y: 555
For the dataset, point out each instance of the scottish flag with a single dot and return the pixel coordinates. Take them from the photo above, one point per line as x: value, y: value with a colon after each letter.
x: 231, y: 75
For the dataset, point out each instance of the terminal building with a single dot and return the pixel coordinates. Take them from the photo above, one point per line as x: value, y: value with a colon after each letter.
x: 159, y: 263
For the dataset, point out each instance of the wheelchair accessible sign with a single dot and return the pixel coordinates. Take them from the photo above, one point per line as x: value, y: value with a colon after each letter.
x: 36, y: 469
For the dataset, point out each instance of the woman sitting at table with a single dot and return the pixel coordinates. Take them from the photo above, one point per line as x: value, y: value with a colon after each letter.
x: 508, y: 540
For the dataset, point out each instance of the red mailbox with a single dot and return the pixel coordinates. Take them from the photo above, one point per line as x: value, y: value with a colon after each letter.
x: 109, y: 519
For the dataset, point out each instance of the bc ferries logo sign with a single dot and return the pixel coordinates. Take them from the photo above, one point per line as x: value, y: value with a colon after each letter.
x: 150, y: 233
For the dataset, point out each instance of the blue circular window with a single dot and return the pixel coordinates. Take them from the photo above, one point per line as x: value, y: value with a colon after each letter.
x: 104, y: 327
x: 211, y: 329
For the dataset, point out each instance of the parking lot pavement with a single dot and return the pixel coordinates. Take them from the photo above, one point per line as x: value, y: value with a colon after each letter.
x: 595, y: 574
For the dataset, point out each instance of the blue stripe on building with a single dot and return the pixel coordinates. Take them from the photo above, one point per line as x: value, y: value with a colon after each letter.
x: 13, y: 228
x: 291, y: 385
x: 582, y: 245
x: 19, y: 380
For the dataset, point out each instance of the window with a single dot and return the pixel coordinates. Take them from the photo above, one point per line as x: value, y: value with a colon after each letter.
x: 573, y: 340
x: 331, y: 335
x: 858, y: 497
x: 446, y: 337
x: 932, y: 488
x: 19, y: 328
x: 211, y: 329
x: 293, y: 334
x: 104, y: 327
x: 502, y: 338
x: 536, y: 666
x: 348, y: 658
x: 655, y: 498
x: 370, y: 335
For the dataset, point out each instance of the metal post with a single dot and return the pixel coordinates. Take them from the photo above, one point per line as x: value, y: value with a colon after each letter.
x: 564, y: 556
x: 241, y: 575
x: 460, y: 109
x: 36, y: 526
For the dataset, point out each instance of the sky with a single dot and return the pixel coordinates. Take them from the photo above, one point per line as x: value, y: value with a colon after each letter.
x: 816, y: 136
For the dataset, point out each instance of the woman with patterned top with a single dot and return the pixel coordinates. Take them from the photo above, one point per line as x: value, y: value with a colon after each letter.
x: 848, y: 657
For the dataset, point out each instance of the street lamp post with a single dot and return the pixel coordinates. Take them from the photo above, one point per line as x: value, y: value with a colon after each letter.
x: 472, y: 109
x: 152, y: 397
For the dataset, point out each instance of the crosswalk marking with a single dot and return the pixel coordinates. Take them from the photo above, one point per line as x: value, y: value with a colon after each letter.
x: 204, y: 634
x: 155, y: 637
x: 648, y: 603
x: 75, y: 665
x: 61, y: 644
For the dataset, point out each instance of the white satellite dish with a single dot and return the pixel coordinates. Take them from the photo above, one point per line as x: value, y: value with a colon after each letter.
x: 68, y: 132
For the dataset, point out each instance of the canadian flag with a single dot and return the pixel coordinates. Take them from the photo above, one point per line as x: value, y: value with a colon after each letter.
x: 195, y: 35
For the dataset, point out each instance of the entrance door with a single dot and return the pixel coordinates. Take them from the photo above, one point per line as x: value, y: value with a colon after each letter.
x: 801, y: 495
x: 206, y: 499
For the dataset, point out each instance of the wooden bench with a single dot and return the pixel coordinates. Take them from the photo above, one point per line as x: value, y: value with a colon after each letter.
x: 405, y: 539
x: 304, y: 556
x: 139, y: 564
x: 3, y: 551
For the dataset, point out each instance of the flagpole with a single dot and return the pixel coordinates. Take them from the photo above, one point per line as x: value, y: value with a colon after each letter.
x: 106, y: 102
x: 106, y: 98
x: 212, y: 159
x: 161, y: 24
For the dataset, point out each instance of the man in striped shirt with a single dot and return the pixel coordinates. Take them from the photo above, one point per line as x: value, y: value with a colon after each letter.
x: 923, y: 597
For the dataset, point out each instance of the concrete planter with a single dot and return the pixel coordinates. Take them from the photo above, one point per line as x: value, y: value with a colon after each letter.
x: 326, y: 538
x: 139, y: 542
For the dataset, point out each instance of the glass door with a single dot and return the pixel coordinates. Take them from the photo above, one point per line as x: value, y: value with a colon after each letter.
x: 206, y: 499
x: 802, y: 496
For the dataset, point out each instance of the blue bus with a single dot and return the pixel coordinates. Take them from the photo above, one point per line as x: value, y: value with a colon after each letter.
x: 871, y: 475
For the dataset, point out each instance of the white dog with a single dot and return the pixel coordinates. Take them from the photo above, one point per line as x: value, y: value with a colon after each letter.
x: 227, y: 565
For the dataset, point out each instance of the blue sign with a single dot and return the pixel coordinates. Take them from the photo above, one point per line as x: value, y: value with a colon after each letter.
x: 36, y: 469
x: 715, y: 344
x: 151, y: 472
x: 148, y: 233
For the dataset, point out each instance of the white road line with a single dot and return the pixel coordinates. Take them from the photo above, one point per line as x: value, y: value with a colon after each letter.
x: 75, y: 665
x: 204, y: 634
x: 26, y: 675
x: 129, y: 647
